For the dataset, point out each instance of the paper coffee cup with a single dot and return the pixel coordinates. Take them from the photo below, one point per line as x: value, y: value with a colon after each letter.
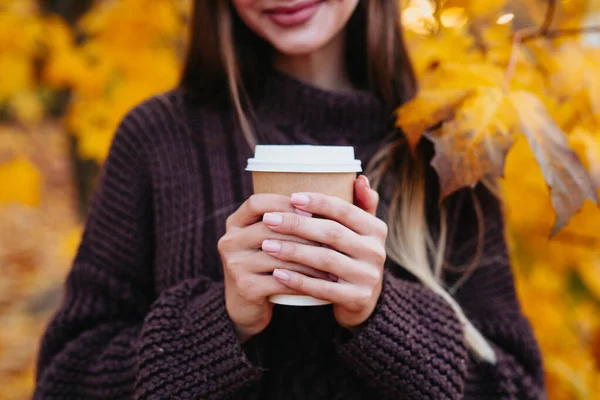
x: 288, y: 169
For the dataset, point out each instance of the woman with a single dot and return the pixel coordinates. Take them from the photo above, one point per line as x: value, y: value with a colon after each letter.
x: 167, y: 295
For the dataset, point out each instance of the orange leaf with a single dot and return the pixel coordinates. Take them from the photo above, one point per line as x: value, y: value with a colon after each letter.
x: 428, y: 109
x: 570, y: 183
x: 473, y: 146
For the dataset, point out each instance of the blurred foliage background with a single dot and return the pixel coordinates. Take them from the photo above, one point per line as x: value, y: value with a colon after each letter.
x: 70, y: 70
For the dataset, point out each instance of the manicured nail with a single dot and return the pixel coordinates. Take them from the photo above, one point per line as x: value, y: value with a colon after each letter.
x: 303, y: 213
x: 271, y: 246
x: 300, y: 199
x: 272, y: 219
x: 281, y: 275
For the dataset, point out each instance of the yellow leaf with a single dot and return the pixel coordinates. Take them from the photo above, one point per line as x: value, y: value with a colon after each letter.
x: 27, y: 107
x: 498, y: 41
x: 20, y: 182
x: 57, y: 34
x: 478, y: 8
x: 428, y: 109
x: 453, y: 17
x: 94, y: 145
x: 595, y: 347
x: 589, y: 271
x: 20, y: 71
x: 523, y: 183
x: 570, y: 184
x: 71, y: 242
x: 591, y: 73
x: 571, y: 69
x: 432, y: 50
x: 587, y: 145
x: 474, y: 144
x: 463, y: 76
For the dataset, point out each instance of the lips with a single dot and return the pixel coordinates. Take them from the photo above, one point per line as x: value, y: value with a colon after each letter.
x: 297, y: 14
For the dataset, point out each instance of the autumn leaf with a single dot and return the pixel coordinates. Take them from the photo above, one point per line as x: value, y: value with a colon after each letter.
x: 563, y: 66
x: 477, y: 132
x: 592, y: 81
x: 488, y: 8
x: 474, y: 144
x: 463, y: 76
x: 432, y: 50
x: 21, y: 182
x: 587, y: 145
x: 27, y: 107
x: 595, y: 346
x: 570, y: 184
x: 445, y: 87
x: 589, y: 271
x: 428, y: 109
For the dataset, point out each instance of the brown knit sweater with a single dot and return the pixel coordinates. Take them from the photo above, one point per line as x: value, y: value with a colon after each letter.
x: 144, y: 313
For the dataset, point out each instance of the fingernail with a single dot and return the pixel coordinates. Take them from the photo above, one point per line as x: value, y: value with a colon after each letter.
x: 271, y: 246
x: 272, y: 219
x: 333, y: 277
x: 300, y: 199
x: 367, y: 181
x: 281, y: 275
x: 303, y: 213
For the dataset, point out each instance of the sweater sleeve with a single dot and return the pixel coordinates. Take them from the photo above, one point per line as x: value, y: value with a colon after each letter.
x: 412, y: 346
x: 113, y: 337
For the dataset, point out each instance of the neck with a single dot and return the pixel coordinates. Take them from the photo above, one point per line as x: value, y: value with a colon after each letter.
x: 324, y: 68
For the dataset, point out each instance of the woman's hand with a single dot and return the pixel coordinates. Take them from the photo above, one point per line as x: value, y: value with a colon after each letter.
x: 354, y: 251
x: 248, y: 270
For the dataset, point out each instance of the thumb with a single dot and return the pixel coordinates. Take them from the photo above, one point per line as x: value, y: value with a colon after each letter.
x: 365, y: 197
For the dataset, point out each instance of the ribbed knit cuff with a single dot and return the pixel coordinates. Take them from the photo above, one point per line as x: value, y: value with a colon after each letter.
x: 412, y: 345
x: 189, y: 347
x: 212, y: 325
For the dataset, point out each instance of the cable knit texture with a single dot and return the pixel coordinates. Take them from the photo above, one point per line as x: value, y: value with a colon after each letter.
x: 144, y: 313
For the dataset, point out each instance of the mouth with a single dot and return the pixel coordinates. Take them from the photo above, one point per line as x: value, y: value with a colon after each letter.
x: 294, y: 15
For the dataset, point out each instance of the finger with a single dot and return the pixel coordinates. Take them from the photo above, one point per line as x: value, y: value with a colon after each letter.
x: 318, y: 230
x: 348, y: 295
x: 339, y: 210
x: 365, y: 197
x: 256, y: 288
x: 262, y: 263
x: 320, y: 258
x: 251, y: 237
x: 308, y: 271
x: 255, y: 206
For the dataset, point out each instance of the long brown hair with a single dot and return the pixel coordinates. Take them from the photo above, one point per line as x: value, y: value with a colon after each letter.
x: 226, y: 61
x: 221, y: 44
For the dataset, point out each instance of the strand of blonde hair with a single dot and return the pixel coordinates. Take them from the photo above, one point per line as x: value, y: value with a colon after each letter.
x: 410, y: 239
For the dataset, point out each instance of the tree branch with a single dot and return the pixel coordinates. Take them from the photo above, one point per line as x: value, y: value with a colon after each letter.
x: 551, y: 34
x: 518, y: 38
x: 544, y: 31
x: 550, y: 13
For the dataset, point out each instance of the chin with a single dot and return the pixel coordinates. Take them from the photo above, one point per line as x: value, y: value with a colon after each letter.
x: 296, y: 48
x: 300, y: 43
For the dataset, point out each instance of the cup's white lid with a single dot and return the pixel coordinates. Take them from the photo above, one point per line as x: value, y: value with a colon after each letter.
x: 303, y: 158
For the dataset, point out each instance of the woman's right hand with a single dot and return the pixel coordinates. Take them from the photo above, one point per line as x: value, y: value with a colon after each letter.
x: 248, y: 270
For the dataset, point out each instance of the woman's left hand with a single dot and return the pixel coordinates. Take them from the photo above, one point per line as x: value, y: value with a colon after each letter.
x: 354, y: 250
